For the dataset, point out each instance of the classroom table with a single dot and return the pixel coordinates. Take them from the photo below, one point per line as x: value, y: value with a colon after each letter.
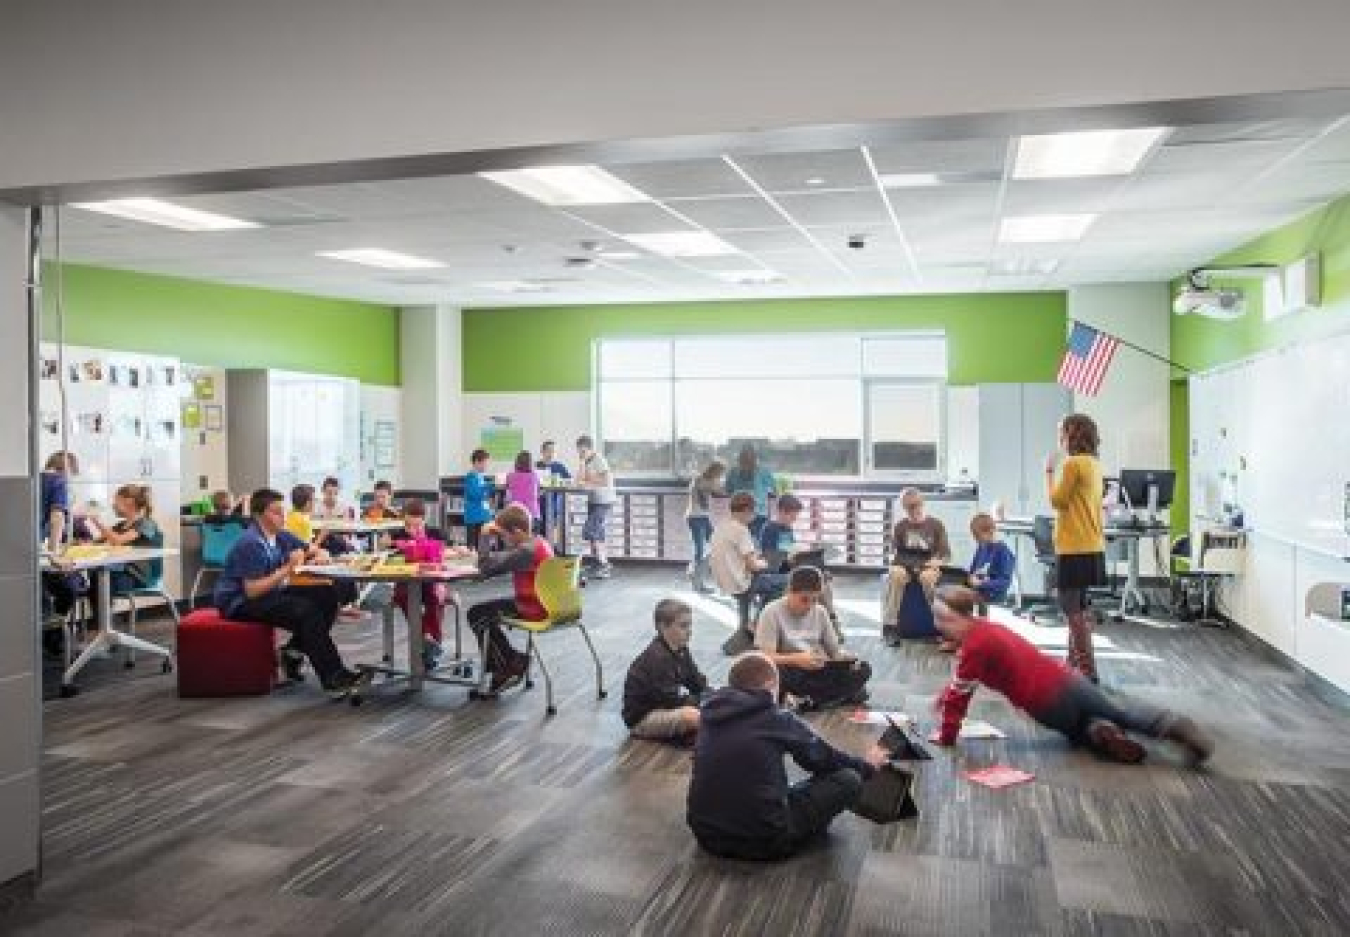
x: 1131, y: 596
x: 452, y: 571
x: 107, y: 637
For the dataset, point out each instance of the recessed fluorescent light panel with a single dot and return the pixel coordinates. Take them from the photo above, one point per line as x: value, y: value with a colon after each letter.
x: 568, y: 185
x: 910, y: 180
x: 682, y: 243
x: 1089, y: 153
x: 758, y: 277
x: 154, y: 211
x: 620, y: 255
x: 1024, y: 267
x: 514, y: 286
x: 375, y: 257
x: 1043, y: 229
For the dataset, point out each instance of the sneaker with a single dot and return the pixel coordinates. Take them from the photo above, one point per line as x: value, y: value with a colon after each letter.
x: 346, y: 683
x: 351, y: 613
x: 1109, y: 739
x: 603, y: 571
x: 511, y: 676
x: 1184, y: 732
x: 293, y: 664
x: 431, y: 654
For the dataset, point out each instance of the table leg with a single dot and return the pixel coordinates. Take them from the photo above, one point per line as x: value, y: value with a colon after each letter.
x: 416, y: 667
x: 1131, y: 595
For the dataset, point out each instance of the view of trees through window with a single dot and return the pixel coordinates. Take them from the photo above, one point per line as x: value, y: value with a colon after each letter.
x: 811, y: 405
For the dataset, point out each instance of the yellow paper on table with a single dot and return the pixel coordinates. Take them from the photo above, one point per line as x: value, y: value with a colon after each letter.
x: 86, y: 551
x: 397, y: 569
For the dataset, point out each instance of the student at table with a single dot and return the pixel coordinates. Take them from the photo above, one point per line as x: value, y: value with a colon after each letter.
x: 749, y: 476
x: 698, y: 515
x: 255, y: 586
x: 435, y: 595
x: 298, y: 517
x: 331, y: 507
x: 523, y: 554
x: 135, y: 527
x: 60, y: 589
x: 225, y: 510
x: 551, y: 504
x: 522, y: 486
x: 478, y: 492
x: 381, y: 507
x: 595, y: 475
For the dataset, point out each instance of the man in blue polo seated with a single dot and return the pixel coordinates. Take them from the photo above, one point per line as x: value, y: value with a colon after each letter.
x: 256, y: 586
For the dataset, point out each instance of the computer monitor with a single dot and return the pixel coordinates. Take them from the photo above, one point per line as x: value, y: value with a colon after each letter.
x: 1150, y: 489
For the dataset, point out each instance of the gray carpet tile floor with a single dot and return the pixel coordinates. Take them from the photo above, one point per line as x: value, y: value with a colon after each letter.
x: 433, y: 814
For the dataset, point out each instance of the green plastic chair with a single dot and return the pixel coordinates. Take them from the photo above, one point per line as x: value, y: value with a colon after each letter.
x: 558, y: 585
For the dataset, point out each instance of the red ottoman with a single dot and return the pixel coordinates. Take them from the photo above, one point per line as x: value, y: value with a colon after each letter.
x: 219, y: 657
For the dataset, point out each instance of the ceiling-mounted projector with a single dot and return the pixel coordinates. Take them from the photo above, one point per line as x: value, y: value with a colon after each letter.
x: 1211, y: 303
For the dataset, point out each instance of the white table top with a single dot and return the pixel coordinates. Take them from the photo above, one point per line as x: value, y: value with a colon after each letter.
x: 120, y: 556
x: 344, y: 526
x: 449, y: 573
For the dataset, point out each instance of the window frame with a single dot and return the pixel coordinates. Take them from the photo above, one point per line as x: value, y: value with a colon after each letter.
x: 865, y: 383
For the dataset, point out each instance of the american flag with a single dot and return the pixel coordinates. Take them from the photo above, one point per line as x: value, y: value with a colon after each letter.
x: 1086, y: 359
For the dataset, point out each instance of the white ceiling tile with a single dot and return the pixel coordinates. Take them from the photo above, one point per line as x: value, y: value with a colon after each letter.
x: 686, y: 178
x: 942, y: 156
x: 834, y: 208
x: 789, y: 172
x: 1292, y: 128
x: 635, y: 218
x: 726, y: 214
x: 1057, y: 196
x: 767, y: 240
x: 1251, y: 156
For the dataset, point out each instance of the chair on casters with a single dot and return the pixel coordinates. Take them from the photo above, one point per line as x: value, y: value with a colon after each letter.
x: 560, y: 593
x: 153, y: 589
x: 1043, y: 537
x: 217, y: 541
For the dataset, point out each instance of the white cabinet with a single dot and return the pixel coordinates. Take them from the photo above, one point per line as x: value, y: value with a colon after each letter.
x: 123, y: 422
x: 287, y: 428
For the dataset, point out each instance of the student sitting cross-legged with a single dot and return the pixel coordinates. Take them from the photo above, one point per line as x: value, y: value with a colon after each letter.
x: 255, y: 586
x: 740, y: 804
x: 737, y: 567
x: 524, y: 554
x: 795, y: 633
x: 1046, y: 690
x: 662, y: 690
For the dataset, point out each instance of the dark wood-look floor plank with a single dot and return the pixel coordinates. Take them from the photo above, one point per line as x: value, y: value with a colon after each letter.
x: 433, y: 814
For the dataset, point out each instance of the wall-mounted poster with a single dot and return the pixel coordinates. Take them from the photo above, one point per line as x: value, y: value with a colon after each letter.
x: 214, y: 416
x: 386, y: 442
x: 192, y: 416
x: 502, y: 442
x: 204, y: 387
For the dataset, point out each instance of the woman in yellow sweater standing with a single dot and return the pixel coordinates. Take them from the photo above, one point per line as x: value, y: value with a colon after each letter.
x: 1080, y: 548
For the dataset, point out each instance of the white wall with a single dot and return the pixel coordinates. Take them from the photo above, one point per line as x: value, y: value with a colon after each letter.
x: 20, y: 679
x: 1133, y: 410
x: 431, y: 367
x: 206, y: 453
x: 561, y: 416
x: 380, y: 405
x: 156, y: 87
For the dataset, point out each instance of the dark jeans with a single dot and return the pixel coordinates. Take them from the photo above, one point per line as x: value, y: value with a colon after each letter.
x: 700, y: 529
x: 471, y: 534
x: 828, y: 685
x: 60, y: 590
x: 308, y: 613
x: 811, y: 804
x: 756, y: 525
x: 1082, y: 703
x: 485, y: 618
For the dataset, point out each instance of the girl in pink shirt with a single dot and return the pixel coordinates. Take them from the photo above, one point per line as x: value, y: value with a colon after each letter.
x: 522, y: 486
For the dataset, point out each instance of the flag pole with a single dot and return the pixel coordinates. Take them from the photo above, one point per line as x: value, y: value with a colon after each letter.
x: 1143, y: 351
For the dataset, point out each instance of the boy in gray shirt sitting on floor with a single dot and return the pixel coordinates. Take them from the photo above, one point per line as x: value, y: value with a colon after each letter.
x: 795, y: 633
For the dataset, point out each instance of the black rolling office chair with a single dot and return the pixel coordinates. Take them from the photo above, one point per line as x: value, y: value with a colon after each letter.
x: 1043, y: 538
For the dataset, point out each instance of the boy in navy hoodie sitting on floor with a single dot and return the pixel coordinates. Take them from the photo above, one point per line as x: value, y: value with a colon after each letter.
x: 740, y: 804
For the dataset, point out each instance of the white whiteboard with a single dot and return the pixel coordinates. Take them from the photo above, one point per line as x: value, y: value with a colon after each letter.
x: 1273, y: 433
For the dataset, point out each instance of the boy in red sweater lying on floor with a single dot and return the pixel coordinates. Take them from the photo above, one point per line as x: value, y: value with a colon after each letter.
x: 1046, y: 690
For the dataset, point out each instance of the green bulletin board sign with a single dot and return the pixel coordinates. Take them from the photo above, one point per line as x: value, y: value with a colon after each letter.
x: 502, y: 442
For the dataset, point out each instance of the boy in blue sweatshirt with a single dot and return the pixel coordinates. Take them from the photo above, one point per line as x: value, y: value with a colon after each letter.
x: 740, y: 804
x: 991, y: 570
x: 478, y: 492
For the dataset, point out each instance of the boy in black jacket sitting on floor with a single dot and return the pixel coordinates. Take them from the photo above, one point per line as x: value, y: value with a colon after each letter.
x: 740, y: 805
x: 662, y: 690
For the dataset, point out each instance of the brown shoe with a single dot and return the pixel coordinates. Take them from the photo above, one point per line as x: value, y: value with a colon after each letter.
x: 1109, y: 739
x: 1184, y: 732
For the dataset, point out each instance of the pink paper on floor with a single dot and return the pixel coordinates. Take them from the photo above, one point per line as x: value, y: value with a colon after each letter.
x: 997, y: 776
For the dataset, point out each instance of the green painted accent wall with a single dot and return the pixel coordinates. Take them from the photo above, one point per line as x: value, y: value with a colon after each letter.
x: 1180, y: 401
x: 991, y: 337
x: 1200, y: 343
x: 226, y: 326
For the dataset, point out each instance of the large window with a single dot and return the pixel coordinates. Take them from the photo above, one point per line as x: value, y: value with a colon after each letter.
x: 812, y: 405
